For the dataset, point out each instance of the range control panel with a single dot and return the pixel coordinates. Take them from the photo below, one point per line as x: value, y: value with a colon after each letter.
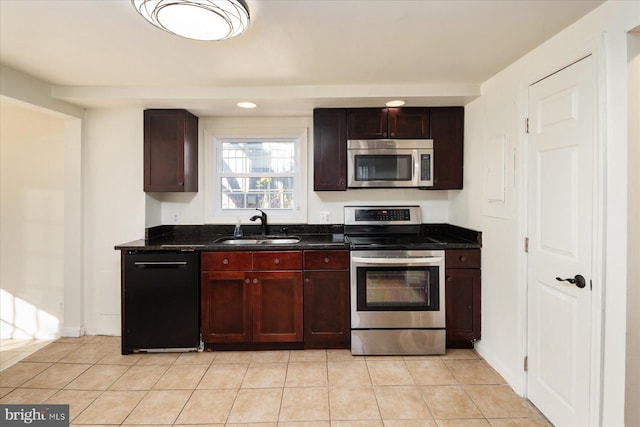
x: 382, y: 215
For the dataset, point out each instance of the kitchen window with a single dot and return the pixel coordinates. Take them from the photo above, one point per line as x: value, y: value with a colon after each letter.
x: 256, y: 172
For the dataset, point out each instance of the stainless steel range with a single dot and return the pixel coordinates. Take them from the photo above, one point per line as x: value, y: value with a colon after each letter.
x: 397, y: 283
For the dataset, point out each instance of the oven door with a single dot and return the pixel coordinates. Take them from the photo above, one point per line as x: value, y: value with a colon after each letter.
x: 397, y: 289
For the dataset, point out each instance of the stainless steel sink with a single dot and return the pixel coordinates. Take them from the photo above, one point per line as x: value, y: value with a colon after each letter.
x: 232, y: 241
x: 279, y: 241
x: 268, y: 240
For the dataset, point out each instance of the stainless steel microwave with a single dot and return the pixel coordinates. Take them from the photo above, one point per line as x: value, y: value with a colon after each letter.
x: 378, y: 163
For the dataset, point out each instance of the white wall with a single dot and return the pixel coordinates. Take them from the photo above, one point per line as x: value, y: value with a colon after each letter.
x: 491, y: 118
x: 632, y: 409
x: 500, y: 112
x: 114, y: 209
x: 19, y: 86
x: 31, y: 222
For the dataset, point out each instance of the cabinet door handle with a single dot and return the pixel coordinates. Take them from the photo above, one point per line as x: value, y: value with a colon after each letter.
x: 276, y: 261
x: 255, y: 280
x: 307, y: 280
x: 160, y: 264
x: 225, y: 261
x: 247, y: 280
x: 326, y: 260
x: 462, y: 258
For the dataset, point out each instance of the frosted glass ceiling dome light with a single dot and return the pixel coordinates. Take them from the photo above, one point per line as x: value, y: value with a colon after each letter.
x: 196, y: 19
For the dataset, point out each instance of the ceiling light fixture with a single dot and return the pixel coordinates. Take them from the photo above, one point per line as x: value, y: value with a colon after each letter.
x: 395, y: 103
x: 196, y: 19
x: 245, y: 104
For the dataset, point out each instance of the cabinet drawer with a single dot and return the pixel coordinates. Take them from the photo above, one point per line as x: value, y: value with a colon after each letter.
x: 287, y: 260
x: 326, y: 260
x: 462, y: 258
x: 230, y: 261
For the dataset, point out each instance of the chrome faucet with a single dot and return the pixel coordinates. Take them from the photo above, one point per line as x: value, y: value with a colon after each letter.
x: 263, y: 220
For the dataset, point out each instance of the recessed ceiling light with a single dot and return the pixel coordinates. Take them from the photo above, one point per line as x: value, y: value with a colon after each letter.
x: 395, y: 103
x: 246, y: 105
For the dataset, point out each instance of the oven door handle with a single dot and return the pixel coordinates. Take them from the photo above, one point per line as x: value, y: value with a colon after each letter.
x: 396, y: 261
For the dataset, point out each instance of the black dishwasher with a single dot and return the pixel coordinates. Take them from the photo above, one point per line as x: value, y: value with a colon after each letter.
x: 160, y: 301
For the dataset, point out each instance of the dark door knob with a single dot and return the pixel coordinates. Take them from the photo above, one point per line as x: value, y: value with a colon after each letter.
x: 578, y: 280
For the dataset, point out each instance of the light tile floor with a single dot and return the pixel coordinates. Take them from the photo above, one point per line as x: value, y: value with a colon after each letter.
x: 14, y: 350
x: 310, y: 388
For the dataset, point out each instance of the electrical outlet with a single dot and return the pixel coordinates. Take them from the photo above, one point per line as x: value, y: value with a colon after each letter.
x: 325, y: 217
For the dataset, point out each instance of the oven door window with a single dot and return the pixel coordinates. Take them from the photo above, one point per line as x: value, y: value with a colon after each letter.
x: 397, y: 289
x: 383, y: 167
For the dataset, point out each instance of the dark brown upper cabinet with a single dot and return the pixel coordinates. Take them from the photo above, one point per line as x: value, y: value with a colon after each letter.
x: 376, y: 123
x: 409, y: 122
x: 170, y: 151
x: 367, y: 123
x: 447, y: 132
x: 332, y: 127
x: 329, y: 149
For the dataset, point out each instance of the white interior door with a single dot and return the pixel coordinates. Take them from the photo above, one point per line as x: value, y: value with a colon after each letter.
x: 561, y: 176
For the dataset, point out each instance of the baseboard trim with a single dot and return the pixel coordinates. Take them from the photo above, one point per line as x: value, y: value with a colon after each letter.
x: 73, y: 332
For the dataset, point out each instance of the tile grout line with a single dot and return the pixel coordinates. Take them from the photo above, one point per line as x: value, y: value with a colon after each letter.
x: 102, y: 392
x: 235, y: 399
x: 195, y: 387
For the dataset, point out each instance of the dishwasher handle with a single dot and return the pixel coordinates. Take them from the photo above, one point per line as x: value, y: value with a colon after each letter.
x: 397, y: 261
x: 160, y: 264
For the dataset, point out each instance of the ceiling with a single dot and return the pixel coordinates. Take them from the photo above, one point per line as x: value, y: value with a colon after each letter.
x: 296, y: 54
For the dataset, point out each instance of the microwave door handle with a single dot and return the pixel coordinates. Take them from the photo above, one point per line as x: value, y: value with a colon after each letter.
x: 396, y: 261
x: 416, y: 168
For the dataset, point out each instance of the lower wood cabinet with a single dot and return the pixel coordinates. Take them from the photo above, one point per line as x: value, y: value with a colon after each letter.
x: 227, y: 307
x: 462, y: 297
x: 326, y: 299
x: 277, y: 306
x: 251, y: 297
x: 303, y: 298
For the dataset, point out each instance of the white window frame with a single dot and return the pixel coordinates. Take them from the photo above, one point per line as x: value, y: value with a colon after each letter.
x: 214, y: 214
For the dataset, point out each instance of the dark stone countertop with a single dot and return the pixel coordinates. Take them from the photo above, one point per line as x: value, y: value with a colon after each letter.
x: 312, y: 241
x: 312, y: 237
